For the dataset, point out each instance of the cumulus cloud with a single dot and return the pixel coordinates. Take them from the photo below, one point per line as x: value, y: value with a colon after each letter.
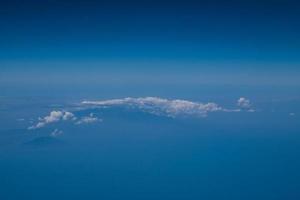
x: 159, y: 106
x: 243, y: 102
x: 53, y: 117
x: 56, y: 133
x: 88, y: 119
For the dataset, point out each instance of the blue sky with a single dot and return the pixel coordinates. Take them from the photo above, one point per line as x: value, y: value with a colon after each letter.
x: 236, y: 42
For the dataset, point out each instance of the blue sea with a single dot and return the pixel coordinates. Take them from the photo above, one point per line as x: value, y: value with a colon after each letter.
x: 135, y: 154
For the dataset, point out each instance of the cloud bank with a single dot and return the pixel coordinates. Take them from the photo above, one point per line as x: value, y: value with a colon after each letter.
x: 153, y: 105
x: 160, y: 106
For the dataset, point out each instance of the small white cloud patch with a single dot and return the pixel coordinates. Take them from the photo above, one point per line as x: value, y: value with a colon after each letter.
x: 243, y: 102
x: 89, y: 119
x: 56, y: 133
x: 69, y: 116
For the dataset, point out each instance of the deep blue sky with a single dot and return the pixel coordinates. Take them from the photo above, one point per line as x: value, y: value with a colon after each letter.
x: 189, y: 37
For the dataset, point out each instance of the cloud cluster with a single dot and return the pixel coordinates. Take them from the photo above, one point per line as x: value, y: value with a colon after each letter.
x: 159, y: 106
x: 57, y: 116
x: 54, y: 116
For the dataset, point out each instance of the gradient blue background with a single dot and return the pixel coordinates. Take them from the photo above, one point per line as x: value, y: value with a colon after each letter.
x: 57, y: 53
x: 235, y: 42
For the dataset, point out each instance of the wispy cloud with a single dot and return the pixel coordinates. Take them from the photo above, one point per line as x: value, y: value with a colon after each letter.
x: 292, y: 114
x: 56, y: 133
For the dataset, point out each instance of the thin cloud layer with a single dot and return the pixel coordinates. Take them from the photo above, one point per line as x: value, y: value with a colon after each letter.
x: 159, y: 106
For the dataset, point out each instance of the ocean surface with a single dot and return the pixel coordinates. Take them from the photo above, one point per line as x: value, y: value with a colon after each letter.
x: 128, y: 152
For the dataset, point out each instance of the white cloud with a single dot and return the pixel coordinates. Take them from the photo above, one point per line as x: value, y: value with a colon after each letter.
x: 243, y: 102
x: 69, y: 116
x: 53, y: 117
x: 159, y: 106
x: 89, y: 119
x: 56, y: 133
x: 154, y: 105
